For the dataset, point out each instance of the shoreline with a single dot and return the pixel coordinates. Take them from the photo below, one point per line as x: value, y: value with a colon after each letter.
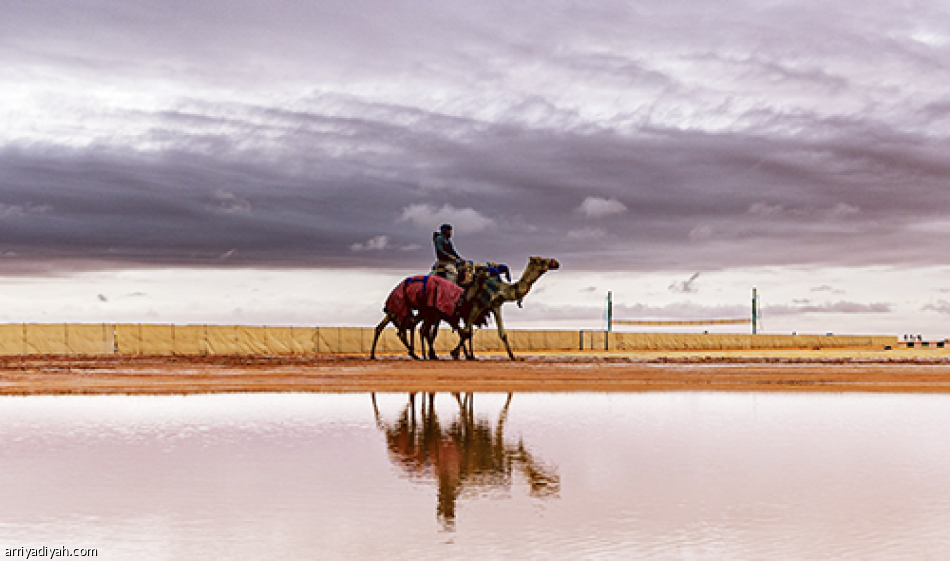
x: 838, y: 370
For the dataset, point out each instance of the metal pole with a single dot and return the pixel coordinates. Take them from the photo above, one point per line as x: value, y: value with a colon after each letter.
x: 755, y: 310
x: 610, y: 312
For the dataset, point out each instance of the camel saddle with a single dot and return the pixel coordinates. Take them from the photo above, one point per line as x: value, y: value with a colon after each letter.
x: 423, y: 292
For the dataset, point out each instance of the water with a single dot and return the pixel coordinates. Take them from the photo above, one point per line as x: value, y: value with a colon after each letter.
x: 548, y: 476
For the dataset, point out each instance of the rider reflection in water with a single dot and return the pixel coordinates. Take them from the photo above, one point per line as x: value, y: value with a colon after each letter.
x: 468, y: 454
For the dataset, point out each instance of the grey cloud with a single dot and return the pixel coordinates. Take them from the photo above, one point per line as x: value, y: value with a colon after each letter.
x: 297, y: 134
x: 376, y: 185
x: 425, y: 215
x: 840, y: 307
x: 827, y: 288
x: 940, y: 306
x: 599, y: 207
x: 377, y: 243
x: 587, y: 233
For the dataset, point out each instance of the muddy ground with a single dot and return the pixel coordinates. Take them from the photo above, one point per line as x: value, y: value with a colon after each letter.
x: 867, y: 370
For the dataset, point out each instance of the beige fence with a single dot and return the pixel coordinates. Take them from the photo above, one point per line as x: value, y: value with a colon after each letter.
x: 728, y: 341
x: 167, y: 339
x: 57, y: 339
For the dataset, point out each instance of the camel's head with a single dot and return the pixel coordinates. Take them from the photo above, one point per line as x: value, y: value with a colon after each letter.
x: 544, y: 263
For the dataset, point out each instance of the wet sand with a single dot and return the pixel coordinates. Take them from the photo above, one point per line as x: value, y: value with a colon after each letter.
x: 861, y: 370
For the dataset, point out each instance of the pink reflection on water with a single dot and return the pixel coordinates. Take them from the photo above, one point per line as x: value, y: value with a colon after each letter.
x: 309, y: 476
x: 466, y: 455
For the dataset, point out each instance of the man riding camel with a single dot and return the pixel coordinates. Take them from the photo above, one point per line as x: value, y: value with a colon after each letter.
x: 446, y: 257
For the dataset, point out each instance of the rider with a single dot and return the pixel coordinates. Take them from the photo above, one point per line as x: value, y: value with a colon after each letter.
x: 445, y: 255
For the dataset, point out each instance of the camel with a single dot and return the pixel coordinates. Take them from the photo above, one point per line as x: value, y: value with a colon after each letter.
x: 407, y: 306
x: 478, y: 276
x: 484, y: 298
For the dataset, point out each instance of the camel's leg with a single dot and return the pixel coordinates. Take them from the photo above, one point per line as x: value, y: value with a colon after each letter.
x: 406, y: 342
x: 465, y: 334
x: 431, y: 330
x: 401, y: 333
x: 426, y: 341
x: 468, y: 335
x: 456, y: 351
x: 379, y: 330
x: 422, y: 338
x: 501, y: 332
x: 418, y: 321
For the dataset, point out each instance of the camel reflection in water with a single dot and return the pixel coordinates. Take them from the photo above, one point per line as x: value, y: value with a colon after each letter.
x: 468, y: 457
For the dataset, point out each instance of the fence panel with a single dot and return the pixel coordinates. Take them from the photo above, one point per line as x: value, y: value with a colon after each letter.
x: 157, y: 339
x: 128, y: 338
x: 46, y: 339
x: 222, y: 340
x: 252, y: 340
x: 280, y: 341
x: 327, y: 340
x: 305, y: 338
x: 12, y: 339
x: 90, y: 339
x: 351, y: 340
x: 191, y: 340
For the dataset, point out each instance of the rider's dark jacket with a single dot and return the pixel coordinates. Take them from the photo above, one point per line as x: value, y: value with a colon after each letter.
x: 444, y: 250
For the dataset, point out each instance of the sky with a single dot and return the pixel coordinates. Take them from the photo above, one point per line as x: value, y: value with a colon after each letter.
x: 287, y: 162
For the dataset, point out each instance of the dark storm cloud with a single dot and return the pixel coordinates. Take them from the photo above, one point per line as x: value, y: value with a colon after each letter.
x: 613, y: 136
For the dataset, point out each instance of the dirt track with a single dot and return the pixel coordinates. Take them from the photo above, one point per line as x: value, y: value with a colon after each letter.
x: 848, y: 370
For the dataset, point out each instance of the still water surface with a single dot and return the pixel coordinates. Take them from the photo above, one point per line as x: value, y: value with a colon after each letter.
x: 548, y: 476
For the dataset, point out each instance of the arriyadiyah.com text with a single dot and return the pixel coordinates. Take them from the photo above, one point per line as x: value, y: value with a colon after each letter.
x: 49, y: 552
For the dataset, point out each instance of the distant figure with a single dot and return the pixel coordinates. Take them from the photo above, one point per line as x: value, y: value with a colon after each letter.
x: 445, y: 255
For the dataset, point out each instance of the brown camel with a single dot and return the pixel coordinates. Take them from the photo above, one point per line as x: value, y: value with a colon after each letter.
x: 487, y: 298
x: 413, y: 311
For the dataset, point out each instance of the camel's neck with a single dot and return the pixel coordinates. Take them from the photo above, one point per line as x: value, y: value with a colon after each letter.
x: 518, y: 289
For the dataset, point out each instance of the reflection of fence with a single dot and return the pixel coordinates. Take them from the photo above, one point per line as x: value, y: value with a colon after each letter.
x: 167, y: 339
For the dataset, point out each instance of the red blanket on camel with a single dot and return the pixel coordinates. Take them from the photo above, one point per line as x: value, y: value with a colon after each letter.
x: 424, y: 291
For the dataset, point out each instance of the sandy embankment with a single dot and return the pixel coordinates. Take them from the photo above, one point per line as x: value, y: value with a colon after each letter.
x: 905, y: 370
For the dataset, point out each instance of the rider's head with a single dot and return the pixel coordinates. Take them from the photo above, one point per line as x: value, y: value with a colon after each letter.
x: 446, y: 230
